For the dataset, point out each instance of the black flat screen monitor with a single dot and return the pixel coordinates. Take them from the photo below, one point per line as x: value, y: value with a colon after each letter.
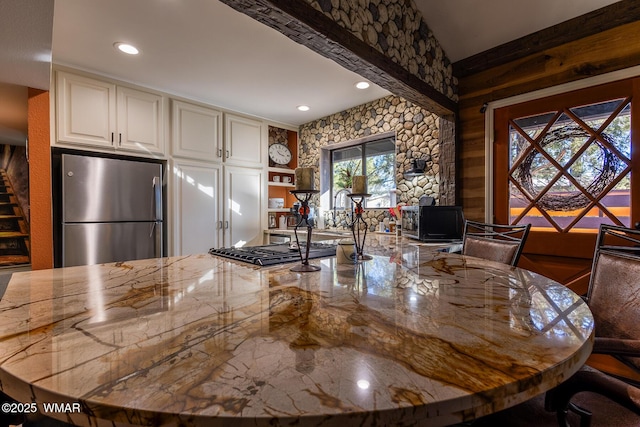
x: 441, y: 223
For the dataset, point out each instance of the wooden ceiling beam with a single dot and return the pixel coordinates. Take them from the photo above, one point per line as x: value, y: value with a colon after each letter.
x: 304, y: 24
x: 614, y: 15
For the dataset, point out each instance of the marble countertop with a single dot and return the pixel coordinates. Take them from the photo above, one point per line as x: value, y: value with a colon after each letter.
x: 412, y: 337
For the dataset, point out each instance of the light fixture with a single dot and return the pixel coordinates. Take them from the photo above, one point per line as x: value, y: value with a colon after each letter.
x: 362, y: 85
x: 303, y: 107
x: 417, y: 167
x: 126, y: 48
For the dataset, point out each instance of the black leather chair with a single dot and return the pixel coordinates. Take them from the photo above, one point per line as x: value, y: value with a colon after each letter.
x: 494, y: 242
x: 614, y: 299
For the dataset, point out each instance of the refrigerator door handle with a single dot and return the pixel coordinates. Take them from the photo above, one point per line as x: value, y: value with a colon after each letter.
x: 157, y: 198
x: 156, y: 228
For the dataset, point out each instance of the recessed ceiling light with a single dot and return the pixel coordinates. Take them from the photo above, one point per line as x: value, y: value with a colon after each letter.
x: 362, y: 85
x: 303, y: 107
x: 126, y: 48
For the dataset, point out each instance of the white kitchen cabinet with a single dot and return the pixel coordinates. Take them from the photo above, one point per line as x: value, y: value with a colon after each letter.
x: 97, y: 113
x: 215, y: 206
x: 140, y: 124
x: 85, y: 110
x: 200, y: 149
x: 243, y: 206
x: 197, y: 201
x: 196, y: 131
x: 244, y: 144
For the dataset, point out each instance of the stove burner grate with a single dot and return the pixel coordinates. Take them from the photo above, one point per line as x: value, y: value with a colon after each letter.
x: 274, y: 254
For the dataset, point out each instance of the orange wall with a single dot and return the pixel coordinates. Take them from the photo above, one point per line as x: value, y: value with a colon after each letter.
x: 41, y: 222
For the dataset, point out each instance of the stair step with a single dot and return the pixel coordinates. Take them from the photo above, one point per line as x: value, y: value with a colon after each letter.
x: 12, y: 234
x: 7, y: 260
x: 14, y: 230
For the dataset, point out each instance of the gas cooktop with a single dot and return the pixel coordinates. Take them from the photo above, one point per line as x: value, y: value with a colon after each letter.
x: 274, y: 254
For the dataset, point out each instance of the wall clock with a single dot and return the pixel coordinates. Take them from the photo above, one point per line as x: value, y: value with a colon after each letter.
x: 279, y: 154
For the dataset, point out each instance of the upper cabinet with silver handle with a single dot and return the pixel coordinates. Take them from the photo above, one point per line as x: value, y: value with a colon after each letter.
x: 140, y: 120
x: 244, y: 141
x: 196, y: 132
x: 206, y: 134
x: 102, y: 114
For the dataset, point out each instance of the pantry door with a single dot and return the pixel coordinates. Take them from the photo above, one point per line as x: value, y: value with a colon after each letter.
x: 565, y: 164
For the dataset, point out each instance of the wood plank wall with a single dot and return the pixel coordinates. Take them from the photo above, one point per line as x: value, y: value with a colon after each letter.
x: 601, y: 53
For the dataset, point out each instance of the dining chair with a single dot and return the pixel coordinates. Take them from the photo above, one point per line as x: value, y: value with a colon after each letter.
x: 614, y: 299
x: 494, y: 242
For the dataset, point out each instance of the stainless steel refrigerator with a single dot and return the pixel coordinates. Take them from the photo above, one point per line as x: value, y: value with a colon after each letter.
x: 111, y: 210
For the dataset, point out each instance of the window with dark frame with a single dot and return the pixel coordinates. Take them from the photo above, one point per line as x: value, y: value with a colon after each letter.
x: 374, y: 159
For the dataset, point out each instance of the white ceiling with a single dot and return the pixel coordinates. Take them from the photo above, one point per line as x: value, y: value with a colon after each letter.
x: 25, y: 42
x: 204, y: 50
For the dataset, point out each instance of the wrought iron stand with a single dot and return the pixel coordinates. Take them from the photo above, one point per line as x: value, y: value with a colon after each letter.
x: 355, y: 226
x: 303, y: 197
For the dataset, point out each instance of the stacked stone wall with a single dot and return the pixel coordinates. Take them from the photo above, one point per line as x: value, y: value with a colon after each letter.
x: 417, y: 136
x: 397, y: 30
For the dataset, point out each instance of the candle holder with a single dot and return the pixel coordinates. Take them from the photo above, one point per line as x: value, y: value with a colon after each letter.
x: 303, y: 197
x: 357, y: 199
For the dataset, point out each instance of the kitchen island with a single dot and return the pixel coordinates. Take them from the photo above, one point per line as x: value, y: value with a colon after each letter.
x: 412, y: 337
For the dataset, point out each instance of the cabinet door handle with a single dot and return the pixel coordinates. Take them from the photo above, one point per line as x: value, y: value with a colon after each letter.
x: 112, y: 136
x: 219, y: 225
x: 228, y: 154
x: 226, y: 225
x: 120, y: 139
x: 219, y: 152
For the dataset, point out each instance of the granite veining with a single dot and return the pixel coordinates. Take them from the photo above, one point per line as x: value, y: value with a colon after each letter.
x: 412, y: 337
